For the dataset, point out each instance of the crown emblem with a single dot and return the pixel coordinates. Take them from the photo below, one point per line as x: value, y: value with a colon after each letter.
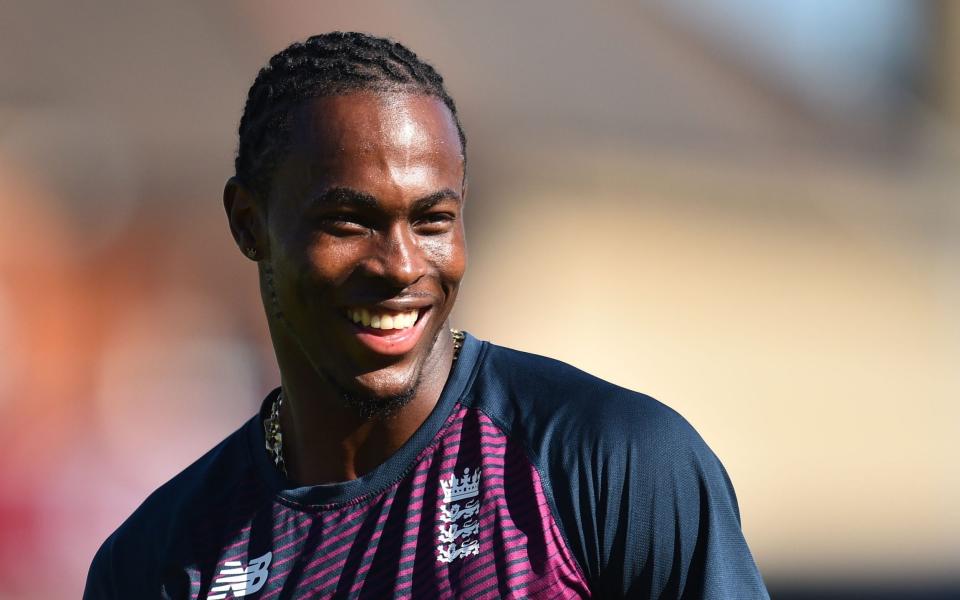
x: 467, y: 486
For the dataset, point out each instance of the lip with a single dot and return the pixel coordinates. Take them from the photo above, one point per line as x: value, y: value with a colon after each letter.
x: 392, y: 342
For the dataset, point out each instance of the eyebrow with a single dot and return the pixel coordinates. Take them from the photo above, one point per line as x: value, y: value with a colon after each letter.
x: 344, y: 196
x: 428, y: 202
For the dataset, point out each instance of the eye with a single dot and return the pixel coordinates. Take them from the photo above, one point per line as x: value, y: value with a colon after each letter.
x: 344, y: 223
x: 435, y: 222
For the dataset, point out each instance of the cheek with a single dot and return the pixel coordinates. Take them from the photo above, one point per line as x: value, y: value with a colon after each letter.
x: 449, y: 256
x: 305, y: 273
x: 330, y: 261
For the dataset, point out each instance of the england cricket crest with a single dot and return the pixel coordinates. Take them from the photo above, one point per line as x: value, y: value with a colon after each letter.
x: 459, y: 527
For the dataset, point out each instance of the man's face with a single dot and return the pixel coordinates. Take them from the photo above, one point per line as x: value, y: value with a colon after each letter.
x: 366, y: 238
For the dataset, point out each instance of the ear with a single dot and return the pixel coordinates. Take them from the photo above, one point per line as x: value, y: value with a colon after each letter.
x: 247, y: 219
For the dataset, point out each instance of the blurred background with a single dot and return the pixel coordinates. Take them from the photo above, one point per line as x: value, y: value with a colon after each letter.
x: 745, y: 208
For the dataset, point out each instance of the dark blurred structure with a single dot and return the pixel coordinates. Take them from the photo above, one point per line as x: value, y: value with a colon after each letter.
x: 757, y: 216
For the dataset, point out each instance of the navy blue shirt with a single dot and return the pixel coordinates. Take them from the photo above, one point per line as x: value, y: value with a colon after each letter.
x: 530, y: 478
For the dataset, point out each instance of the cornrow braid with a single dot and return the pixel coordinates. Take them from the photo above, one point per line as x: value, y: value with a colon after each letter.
x: 324, y: 65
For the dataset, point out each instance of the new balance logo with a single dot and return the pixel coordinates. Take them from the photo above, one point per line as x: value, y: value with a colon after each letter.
x: 239, y: 581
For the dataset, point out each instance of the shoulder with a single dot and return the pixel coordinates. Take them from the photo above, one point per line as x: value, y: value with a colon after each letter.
x: 590, y: 438
x: 183, y: 497
x: 153, y: 530
x: 643, y: 503
x: 546, y: 398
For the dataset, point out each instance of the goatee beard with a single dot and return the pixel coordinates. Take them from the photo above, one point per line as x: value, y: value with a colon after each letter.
x: 373, y: 407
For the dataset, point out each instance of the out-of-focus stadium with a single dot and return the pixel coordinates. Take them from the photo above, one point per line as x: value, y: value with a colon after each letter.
x: 746, y: 209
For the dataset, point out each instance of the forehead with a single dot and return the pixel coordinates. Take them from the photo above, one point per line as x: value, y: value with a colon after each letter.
x: 375, y: 129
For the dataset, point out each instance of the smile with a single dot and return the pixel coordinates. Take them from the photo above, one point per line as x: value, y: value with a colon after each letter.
x: 383, y: 320
x: 388, y: 332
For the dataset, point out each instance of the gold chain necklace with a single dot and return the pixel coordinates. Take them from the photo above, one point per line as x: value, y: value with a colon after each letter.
x: 271, y: 425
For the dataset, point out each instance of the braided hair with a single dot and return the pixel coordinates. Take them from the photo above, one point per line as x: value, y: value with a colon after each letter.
x: 324, y: 65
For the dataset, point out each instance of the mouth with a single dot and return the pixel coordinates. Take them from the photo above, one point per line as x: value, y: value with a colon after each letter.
x: 388, y: 332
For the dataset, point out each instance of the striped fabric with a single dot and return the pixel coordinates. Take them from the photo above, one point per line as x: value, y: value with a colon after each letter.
x: 489, y: 535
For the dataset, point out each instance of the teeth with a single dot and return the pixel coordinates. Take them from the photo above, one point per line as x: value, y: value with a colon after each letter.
x: 383, y: 320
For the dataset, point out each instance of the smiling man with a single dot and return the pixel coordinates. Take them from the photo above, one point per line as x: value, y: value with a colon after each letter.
x: 400, y: 458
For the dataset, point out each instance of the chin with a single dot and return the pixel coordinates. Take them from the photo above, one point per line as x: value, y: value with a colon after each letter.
x: 377, y: 407
x: 381, y: 393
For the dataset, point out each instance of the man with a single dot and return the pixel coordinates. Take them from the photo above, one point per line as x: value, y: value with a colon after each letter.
x: 399, y: 458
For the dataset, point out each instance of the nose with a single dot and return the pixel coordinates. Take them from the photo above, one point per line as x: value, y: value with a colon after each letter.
x: 400, y: 260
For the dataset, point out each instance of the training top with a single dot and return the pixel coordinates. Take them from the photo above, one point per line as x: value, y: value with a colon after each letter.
x: 530, y: 479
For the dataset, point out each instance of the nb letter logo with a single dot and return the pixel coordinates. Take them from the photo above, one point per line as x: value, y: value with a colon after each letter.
x: 239, y: 581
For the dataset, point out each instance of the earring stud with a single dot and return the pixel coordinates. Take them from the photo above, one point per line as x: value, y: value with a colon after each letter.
x: 252, y: 253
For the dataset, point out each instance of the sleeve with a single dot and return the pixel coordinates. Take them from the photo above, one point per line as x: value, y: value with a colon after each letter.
x: 648, y: 508
x: 100, y: 579
x: 131, y: 564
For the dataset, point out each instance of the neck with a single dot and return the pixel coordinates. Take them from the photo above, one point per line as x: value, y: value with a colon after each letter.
x: 326, y: 441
